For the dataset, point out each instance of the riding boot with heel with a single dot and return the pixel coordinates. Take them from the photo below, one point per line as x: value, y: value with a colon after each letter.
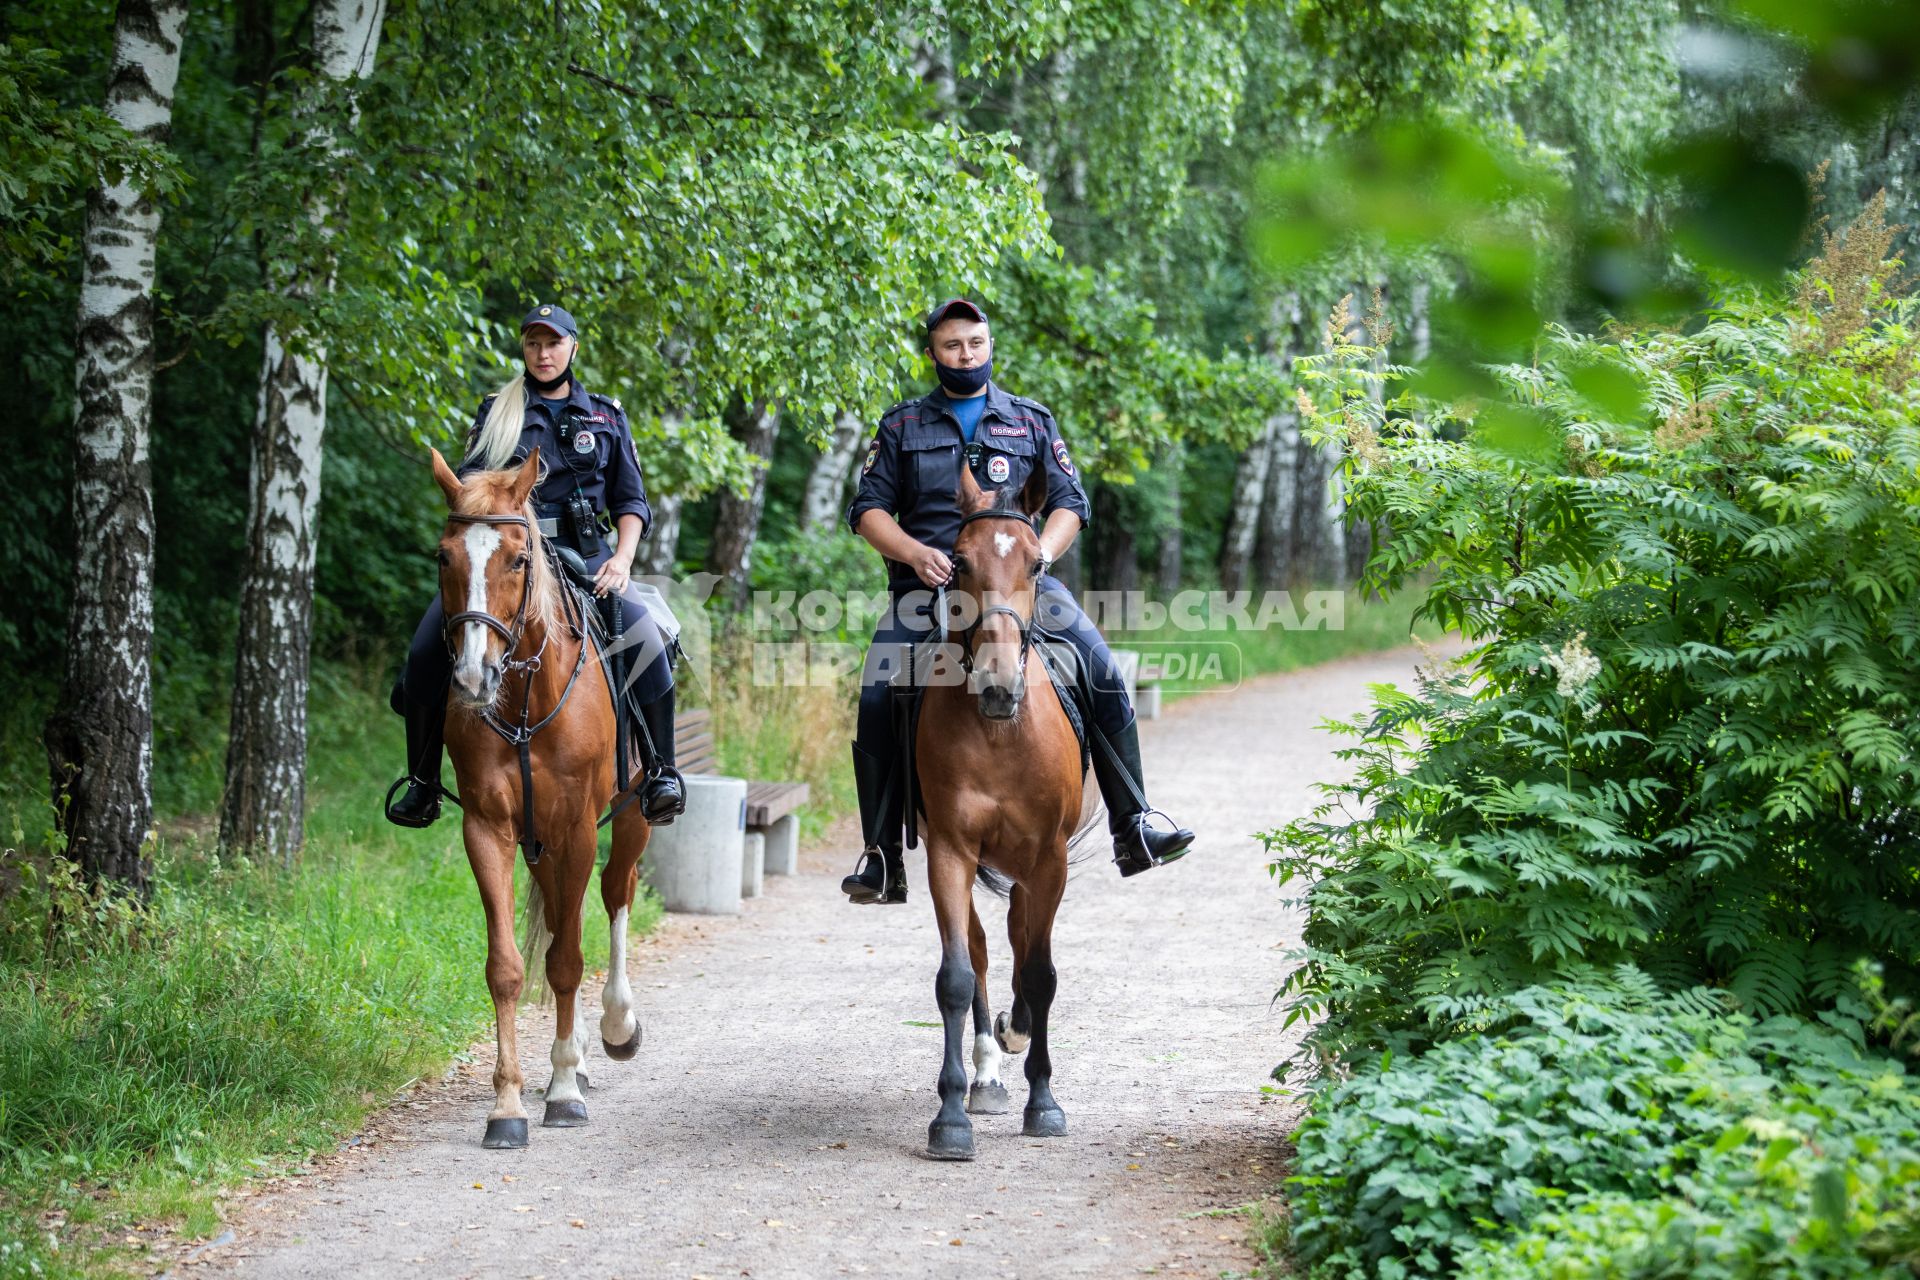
x: 426, y: 726
x: 881, y: 876
x: 1137, y: 847
x: 664, y: 796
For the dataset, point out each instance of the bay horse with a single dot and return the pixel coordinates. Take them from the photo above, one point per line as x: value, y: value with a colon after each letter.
x: 1000, y: 781
x: 530, y: 729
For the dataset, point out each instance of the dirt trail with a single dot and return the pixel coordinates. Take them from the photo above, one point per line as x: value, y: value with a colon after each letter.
x: 773, y: 1123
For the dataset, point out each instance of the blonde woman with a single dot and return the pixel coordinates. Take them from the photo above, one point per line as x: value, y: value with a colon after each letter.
x: 591, y: 476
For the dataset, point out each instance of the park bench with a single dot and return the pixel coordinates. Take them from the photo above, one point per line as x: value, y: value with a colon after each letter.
x: 758, y: 820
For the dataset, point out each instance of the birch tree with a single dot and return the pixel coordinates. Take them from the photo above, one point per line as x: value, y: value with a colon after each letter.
x: 99, y: 739
x: 737, y: 515
x: 262, y: 809
x: 825, y: 496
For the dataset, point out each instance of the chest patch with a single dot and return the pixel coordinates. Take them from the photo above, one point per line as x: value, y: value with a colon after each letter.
x: 998, y: 468
x: 1005, y: 429
x: 583, y: 442
x: 1060, y: 456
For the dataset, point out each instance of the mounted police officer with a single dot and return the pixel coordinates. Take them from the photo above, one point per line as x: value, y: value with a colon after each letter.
x: 591, y: 474
x: 907, y: 509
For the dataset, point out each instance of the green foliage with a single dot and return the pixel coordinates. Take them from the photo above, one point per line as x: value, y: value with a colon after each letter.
x: 1687, y: 737
x: 1606, y: 1130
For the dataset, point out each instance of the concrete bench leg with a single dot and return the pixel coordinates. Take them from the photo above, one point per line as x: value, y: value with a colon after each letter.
x: 783, y: 846
x: 753, y: 861
x: 694, y: 864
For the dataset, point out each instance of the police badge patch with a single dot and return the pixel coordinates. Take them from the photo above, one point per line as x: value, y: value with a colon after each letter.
x: 998, y: 468
x: 1060, y: 456
x: 873, y: 456
x: 583, y: 442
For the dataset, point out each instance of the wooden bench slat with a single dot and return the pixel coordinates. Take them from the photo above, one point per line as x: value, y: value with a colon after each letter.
x: 768, y: 802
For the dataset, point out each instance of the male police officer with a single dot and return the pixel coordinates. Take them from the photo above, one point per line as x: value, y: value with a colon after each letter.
x: 907, y: 508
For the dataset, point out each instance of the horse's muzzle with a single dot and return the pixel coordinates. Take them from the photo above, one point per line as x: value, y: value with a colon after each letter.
x: 1002, y: 701
x: 476, y: 685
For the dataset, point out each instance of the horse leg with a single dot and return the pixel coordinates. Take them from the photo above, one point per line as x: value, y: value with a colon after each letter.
x: 987, y: 1097
x: 573, y: 868
x: 1013, y: 1029
x: 950, y: 877
x: 619, y: 1024
x: 492, y: 861
x: 1043, y: 1117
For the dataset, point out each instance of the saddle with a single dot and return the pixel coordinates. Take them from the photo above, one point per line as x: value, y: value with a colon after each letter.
x: 607, y: 621
x: 907, y: 691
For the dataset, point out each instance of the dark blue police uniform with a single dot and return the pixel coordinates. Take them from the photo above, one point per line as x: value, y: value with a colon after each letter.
x: 586, y: 450
x: 912, y: 472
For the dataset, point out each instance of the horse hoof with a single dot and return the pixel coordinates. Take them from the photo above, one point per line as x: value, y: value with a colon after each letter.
x: 623, y: 1052
x: 989, y: 1100
x: 1010, y: 1041
x: 564, y: 1115
x: 506, y: 1135
x: 1044, y: 1124
x: 949, y: 1141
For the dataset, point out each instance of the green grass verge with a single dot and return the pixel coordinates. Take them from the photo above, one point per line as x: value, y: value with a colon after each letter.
x: 247, y: 1019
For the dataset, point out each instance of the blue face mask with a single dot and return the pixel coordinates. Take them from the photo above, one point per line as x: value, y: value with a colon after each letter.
x: 964, y: 382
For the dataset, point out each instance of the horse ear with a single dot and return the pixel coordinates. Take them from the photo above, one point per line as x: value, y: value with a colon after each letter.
x: 1033, y: 494
x: 443, y: 476
x: 526, y: 477
x: 972, y: 497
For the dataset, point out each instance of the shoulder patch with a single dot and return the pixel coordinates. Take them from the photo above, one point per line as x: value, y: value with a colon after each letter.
x: 1060, y: 455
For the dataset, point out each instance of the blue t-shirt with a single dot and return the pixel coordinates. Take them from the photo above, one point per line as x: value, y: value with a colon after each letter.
x: 968, y: 412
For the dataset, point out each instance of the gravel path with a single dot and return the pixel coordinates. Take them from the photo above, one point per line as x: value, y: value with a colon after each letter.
x: 773, y: 1123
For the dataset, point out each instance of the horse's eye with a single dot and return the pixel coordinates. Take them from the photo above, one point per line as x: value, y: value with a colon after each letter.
x: 1039, y: 567
x: 443, y: 558
x: 522, y: 561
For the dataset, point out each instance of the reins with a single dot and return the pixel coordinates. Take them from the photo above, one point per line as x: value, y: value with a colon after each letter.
x: 1023, y: 624
x: 520, y: 736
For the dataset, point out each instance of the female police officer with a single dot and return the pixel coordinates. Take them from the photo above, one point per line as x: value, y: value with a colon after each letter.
x: 912, y: 473
x: 594, y: 471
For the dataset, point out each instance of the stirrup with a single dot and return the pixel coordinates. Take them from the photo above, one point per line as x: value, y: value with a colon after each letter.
x: 1148, y: 859
x: 421, y: 823
x: 664, y: 816
x: 893, y: 883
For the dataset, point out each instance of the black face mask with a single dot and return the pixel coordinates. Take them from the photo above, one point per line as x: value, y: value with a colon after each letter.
x: 548, y: 384
x: 964, y: 382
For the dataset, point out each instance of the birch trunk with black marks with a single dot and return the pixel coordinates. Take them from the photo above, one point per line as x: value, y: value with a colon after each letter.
x: 658, y: 556
x: 1244, y: 508
x: 736, y: 520
x: 99, y: 739
x: 262, y: 810
x: 1275, y: 535
x: 825, y: 498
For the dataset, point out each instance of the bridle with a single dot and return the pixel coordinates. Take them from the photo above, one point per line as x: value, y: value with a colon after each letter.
x: 520, y: 736
x: 511, y: 634
x: 966, y: 634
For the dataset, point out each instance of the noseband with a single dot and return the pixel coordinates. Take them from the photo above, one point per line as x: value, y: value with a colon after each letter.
x: 511, y: 634
x: 1023, y: 624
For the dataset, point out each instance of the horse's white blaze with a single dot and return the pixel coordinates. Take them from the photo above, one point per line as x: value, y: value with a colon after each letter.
x: 986, y: 1061
x: 470, y: 671
x: 567, y: 1057
x: 1003, y: 543
x: 616, y: 998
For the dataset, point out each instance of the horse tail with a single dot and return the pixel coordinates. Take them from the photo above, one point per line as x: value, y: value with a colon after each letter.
x: 535, y: 939
x: 993, y: 882
x: 1087, y: 839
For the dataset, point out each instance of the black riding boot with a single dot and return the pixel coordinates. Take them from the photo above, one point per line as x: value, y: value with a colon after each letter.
x: 426, y: 726
x: 881, y: 875
x: 1136, y: 846
x: 664, y: 796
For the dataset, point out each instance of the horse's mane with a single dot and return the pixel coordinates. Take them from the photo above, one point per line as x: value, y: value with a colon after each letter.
x: 490, y: 493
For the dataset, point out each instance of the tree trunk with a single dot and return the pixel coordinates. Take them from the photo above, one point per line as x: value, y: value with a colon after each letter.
x: 659, y: 552
x: 99, y: 738
x: 1361, y: 535
x: 1167, y: 563
x: 262, y: 810
x: 825, y: 499
x: 737, y: 520
x: 1116, y: 565
x: 1275, y: 536
x: 1244, y: 509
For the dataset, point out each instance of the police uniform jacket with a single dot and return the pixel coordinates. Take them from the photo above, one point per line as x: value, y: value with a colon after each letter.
x: 912, y: 467
x: 585, y: 446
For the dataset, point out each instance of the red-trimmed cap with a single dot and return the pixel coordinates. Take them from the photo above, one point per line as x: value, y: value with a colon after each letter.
x: 955, y: 309
x: 549, y: 316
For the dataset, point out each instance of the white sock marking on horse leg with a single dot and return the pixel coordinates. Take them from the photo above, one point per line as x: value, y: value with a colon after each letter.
x: 1003, y: 543
x: 616, y: 998
x: 986, y: 1061
x: 566, y: 1059
x: 482, y: 541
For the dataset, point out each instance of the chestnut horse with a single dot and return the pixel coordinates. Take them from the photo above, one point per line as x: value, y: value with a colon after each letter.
x: 1000, y: 781
x: 530, y: 705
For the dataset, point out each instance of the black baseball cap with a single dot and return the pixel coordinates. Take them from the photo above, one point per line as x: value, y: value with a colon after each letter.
x: 955, y: 309
x: 551, y: 317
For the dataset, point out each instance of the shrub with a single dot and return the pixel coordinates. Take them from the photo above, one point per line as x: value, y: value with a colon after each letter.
x: 1616, y: 1135
x: 1689, y: 736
